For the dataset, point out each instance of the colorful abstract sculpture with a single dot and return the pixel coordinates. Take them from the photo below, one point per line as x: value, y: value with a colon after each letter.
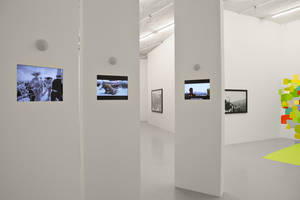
x: 290, y: 102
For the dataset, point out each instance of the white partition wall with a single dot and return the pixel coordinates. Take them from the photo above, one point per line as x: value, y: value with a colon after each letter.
x: 39, y: 141
x: 199, y: 123
x: 253, y: 47
x: 143, y: 90
x: 111, y: 135
x: 160, y: 75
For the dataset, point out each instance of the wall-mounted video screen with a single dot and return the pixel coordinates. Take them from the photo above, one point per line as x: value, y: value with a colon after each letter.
x: 197, y: 89
x: 35, y: 83
x: 112, y: 87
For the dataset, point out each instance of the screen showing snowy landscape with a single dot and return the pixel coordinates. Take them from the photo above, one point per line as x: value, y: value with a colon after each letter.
x: 112, y: 87
x: 36, y: 83
x: 197, y: 89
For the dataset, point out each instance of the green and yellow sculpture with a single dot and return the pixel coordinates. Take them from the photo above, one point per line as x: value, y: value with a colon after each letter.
x: 290, y: 102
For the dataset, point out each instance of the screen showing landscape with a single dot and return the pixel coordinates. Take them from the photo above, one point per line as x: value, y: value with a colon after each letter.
x: 197, y: 89
x: 112, y: 87
x: 35, y: 83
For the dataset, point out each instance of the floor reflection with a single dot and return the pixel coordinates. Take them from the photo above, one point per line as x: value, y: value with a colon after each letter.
x: 247, y: 175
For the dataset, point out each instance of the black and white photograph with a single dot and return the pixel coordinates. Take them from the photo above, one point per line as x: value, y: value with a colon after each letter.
x: 236, y: 101
x: 35, y: 83
x: 157, y: 101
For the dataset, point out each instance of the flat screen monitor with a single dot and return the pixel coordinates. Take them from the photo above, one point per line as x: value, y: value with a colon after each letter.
x: 36, y: 83
x: 112, y: 87
x: 197, y: 89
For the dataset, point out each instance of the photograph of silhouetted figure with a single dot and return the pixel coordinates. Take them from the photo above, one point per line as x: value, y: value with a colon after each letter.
x: 197, y: 89
x: 190, y: 94
x: 57, y: 89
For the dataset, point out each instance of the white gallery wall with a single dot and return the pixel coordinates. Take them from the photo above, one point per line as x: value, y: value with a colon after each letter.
x: 253, y: 60
x: 199, y: 123
x: 253, y: 55
x: 143, y: 90
x: 291, y: 48
x: 259, y: 54
x: 160, y: 75
x: 39, y: 141
x: 111, y: 127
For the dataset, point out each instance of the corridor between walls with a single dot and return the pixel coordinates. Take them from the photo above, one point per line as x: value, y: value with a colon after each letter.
x: 165, y: 72
x: 158, y: 72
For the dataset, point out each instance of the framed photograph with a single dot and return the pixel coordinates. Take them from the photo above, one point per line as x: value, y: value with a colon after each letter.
x: 157, y: 101
x: 36, y: 84
x: 236, y: 101
x: 112, y: 87
x: 197, y: 89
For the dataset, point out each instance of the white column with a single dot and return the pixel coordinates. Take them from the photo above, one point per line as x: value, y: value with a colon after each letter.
x: 199, y: 123
x: 39, y: 141
x: 111, y: 128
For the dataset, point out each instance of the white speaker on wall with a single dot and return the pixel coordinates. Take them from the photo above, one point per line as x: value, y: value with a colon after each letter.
x: 196, y: 67
x: 41, y: 45
x: 112, y: 60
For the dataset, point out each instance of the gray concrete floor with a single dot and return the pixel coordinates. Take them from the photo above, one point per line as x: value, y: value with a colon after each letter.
x: 247, y: 176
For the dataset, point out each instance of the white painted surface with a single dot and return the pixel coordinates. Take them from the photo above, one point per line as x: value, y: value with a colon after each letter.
x: 253, y: 61
x: 198, y: 124
x: 39, y: 141
x: 111, y: 128
x: 143, y: 90
x: 160, y: 75
x: 258, y: 56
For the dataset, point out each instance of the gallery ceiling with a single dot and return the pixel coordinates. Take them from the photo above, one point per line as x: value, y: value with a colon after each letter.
x: 157, y: 17
x: 264, y: 9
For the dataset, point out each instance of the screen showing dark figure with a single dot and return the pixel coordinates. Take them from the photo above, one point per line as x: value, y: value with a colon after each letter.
x: 112, y: 87
x: 197, y: 89
x: 57, y: 89
x: 36, y: 83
